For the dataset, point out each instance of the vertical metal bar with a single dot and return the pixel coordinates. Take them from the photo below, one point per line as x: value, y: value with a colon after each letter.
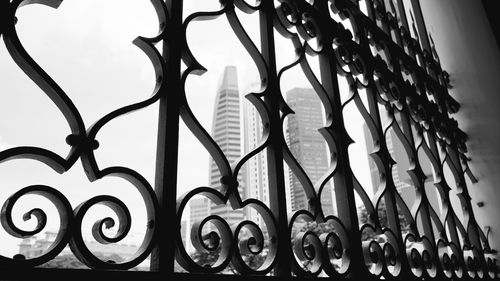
x: 389, y: 197
x: 453, y: 233
x: 162, y: 257
x: 370, y: 10
x: 419, y: 20
x: 383, y: 7
x: 402, y: 14
x: 277, y: 195
x: 465, y: 200
x: 452, y: 151
x: 342, y: 179
x: 425, y: 213
x: 383, y: 17
x: 420, y: 185
x: 425, y: 44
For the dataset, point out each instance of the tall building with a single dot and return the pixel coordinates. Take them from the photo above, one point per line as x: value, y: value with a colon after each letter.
x: 226, y: 133
x: 256, y: 181
x: 308, y: 146
x: 199, y: 208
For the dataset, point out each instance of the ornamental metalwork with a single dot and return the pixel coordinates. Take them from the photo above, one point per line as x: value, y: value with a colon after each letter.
x: 384, y: 57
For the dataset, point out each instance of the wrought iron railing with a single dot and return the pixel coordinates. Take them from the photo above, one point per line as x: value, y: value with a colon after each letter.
x: 401, y: 78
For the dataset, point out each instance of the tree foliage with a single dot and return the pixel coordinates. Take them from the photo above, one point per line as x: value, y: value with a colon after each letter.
x: 70, y: 261
x: 363, y: 217
x: 208, y: 258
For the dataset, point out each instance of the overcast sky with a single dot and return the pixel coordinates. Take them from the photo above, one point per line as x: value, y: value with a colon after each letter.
x: 86, y: 48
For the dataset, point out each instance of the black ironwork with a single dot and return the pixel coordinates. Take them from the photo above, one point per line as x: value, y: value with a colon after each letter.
x: 399, y: 81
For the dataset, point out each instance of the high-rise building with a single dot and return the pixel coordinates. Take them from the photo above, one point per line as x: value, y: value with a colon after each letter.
x: 256, y: 181
x: 199, y: 208
x: 308, y: 146
x: 226, y: 133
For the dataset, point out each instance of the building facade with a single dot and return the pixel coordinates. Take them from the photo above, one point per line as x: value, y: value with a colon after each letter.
x: 256, y: 180
x: 227, y: 134
x: 307, y: 146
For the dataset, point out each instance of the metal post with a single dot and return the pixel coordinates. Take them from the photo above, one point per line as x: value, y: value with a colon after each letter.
x: 343, y: 178
x: 277, y: 196
x: 419, y: 21
x: 162, y: 257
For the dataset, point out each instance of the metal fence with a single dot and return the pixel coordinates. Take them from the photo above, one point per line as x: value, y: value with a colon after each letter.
x: 399, y: 75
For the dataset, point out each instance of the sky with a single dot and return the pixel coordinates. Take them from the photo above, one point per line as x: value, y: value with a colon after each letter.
x: 85, y: 46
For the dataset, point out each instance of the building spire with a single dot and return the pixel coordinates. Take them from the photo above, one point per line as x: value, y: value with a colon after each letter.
x: 229, y: 79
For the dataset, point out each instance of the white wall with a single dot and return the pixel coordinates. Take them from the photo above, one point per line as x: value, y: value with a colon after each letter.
x: 468, y: 51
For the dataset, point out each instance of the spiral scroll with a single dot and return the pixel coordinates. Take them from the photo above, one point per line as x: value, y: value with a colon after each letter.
x: 66, y: 222
x: 395, y: 84
x: 228, y: 243
x: 82, y: 144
